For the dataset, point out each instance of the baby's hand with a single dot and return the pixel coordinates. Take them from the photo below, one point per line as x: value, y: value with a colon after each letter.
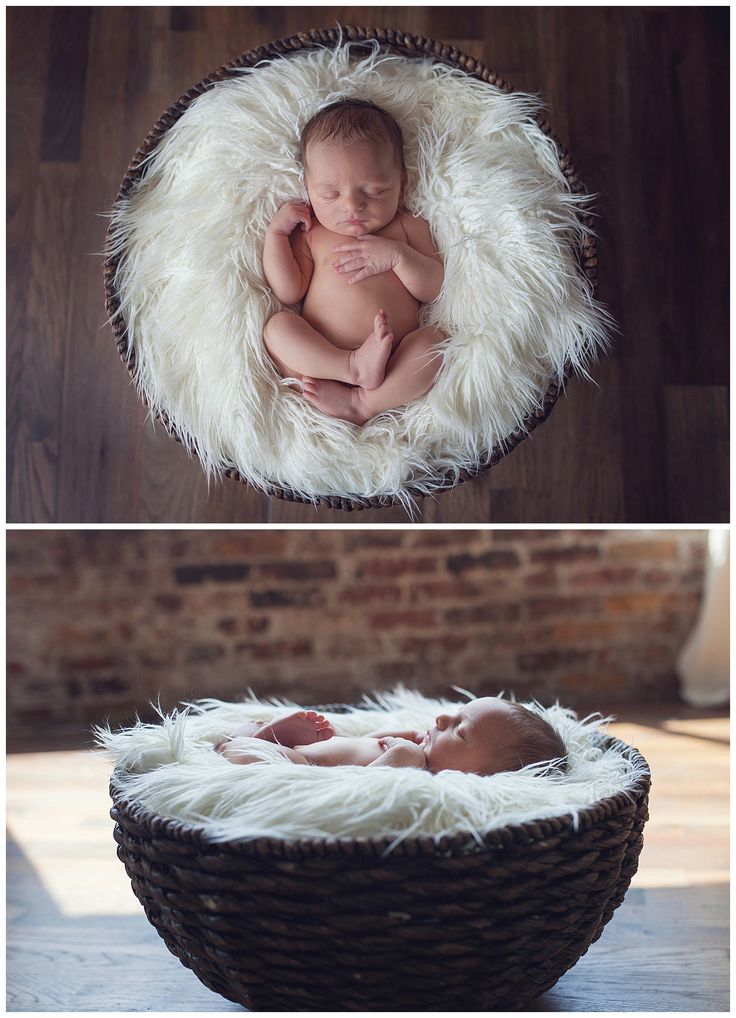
x: 289, y: 216
x: 401, y: 753
x: 369, y: 254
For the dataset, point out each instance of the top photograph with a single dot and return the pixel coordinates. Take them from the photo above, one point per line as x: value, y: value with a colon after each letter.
x: 367, y: 265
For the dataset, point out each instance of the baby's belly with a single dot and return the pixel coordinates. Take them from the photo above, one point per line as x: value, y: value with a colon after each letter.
x: 344, y: 312
x: 339, y: 750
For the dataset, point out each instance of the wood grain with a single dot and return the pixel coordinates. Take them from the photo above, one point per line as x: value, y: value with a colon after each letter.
x: 640, y: 98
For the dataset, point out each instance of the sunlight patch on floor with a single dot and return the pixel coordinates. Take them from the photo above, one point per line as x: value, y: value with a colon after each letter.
x: 58, y: 815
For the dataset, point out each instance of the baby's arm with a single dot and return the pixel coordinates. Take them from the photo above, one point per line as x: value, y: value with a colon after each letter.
x: 419, y: 266
x: 411, y: 736
x: 400, y: 753
x: 287, y: 264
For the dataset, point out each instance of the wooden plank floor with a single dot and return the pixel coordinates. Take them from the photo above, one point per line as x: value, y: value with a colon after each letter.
x: 639, y: 96
x: 78, y: 940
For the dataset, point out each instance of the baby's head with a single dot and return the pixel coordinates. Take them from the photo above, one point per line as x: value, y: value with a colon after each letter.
x: 353, y: 157
x: 489, y: 735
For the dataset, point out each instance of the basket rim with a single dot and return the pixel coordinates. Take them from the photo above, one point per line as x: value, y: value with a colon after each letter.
x: 461, y: 844
x: 410, y: 46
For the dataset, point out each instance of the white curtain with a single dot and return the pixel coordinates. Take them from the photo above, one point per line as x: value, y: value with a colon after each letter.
x: 703, y: 664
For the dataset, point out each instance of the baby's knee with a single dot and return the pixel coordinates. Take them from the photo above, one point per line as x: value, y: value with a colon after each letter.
x: 276, y: 324
x: 272, y: 323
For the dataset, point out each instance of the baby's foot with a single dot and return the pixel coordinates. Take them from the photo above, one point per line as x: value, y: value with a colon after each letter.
x: 344, y: 401
x: 301, y: 728
x: 369, y: 360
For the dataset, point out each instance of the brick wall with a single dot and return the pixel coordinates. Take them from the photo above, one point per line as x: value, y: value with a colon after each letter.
x: 99, y: 622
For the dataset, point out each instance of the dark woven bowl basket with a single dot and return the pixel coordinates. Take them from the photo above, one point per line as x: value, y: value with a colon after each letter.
x: 402, y: 44
x: 334, y: 925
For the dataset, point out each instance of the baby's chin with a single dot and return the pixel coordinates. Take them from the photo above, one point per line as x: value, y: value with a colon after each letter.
x: 355, y: 229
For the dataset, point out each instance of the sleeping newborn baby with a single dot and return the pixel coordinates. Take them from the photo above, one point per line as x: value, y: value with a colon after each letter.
x: 363, y: 265
x: 484, y: 736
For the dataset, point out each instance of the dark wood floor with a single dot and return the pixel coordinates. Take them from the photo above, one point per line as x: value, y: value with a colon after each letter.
x: 639, y: 96
x: 78, y: 939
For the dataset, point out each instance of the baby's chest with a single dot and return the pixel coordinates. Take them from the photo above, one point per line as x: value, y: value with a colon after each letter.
x: 323, y: 244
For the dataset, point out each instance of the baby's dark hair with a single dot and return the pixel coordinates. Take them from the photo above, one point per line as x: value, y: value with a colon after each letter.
x: 353, y: 120
x: 538, y: 742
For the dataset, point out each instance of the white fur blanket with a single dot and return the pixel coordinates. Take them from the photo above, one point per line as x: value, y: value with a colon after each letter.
x: 514, y: 304
x: 172, y: 769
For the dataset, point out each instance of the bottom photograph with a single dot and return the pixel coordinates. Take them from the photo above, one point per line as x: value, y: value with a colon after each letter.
x: 367, y: 770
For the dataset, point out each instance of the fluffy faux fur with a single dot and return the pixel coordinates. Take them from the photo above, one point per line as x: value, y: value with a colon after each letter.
x: 486, y: 178
x: 172, y: 769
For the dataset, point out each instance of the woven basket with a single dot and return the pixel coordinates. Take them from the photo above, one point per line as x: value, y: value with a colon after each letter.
x: 402, y: 44
x: 334, y: 925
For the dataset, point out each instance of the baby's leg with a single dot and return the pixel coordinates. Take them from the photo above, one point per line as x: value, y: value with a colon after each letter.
x: 410, y: 372
x: 298, y: 349
x: 301, y: 727
x: 242, y: 750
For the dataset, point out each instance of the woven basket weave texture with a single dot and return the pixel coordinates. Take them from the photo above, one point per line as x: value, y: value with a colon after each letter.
x: 338, y: 925
x: 402, y: 44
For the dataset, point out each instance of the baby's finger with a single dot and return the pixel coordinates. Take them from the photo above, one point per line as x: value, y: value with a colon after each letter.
x: 349, y: 264
x: 363, y: 274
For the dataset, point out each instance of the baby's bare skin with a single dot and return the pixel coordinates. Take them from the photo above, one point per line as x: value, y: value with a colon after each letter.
x: 477, y: 738
x: 364, y: 268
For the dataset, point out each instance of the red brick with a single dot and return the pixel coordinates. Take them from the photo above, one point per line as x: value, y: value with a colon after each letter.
x: 483, y: 614
x: 447, y: 538
x: 527, y: 536
x: 389, y: 566
x: 562, y: 606
x: 297, y: 570
x: 231, y: 572
x: 309, y: 597
x: 87, y: 664
x: 639, y: 551
x: 445, y: 590
x: 250, y: 624
x: 253, y: 542
x: 433, y: 645
x: 276, y: 650
x: 610, y: 576
x: 649, y: 601
x: 394, y: 671
x: 549, y: 660
x: 570, y: 553
x: 594, y: 683
x: 585, y: 631
x: 408, y: 619
x: 203, y: 652
x: 114, y: 684
x: 374, y: 539
x: 370, y: 594
x: 486, y: 560
x: 541, y: 578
